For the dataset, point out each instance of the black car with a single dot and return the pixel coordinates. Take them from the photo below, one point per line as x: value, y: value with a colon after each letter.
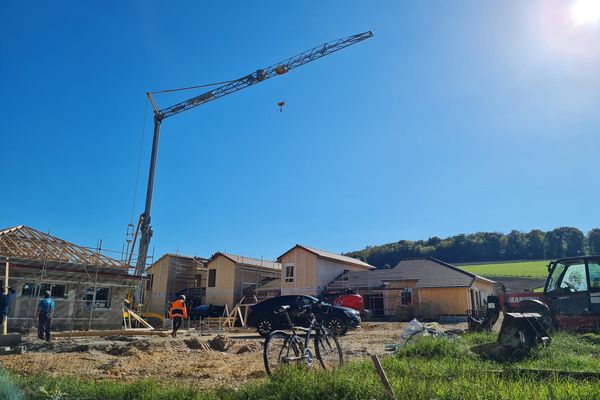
x: 262, y: 315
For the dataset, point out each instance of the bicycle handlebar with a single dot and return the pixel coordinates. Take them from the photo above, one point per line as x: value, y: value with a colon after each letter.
x: 301, y: 309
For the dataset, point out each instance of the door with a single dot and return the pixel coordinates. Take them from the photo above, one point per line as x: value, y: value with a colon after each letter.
x: 594, y: 275
x: 374, y: 303
x: 573, y: 291
x: 567, y: 289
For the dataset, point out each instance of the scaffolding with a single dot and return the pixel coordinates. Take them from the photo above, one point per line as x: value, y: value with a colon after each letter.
x: 87, y: 286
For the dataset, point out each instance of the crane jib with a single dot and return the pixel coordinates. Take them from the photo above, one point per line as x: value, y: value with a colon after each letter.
x: 266, y: 73
x: 227, y: 88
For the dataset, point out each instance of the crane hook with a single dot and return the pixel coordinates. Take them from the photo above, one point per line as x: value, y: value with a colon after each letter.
x: 281, y: 104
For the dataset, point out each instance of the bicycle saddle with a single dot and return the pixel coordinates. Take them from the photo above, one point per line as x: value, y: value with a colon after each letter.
x: 282, y: 309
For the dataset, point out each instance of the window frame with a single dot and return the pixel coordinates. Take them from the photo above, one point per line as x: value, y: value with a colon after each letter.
x: 590, y: 287
x: 555, y: 280
x: 88, y: 302
x: 150, y: 282
x: 198, y: 279
x: 406, y: 293
x: 289, y: 278
x: 212, y: 278
x: 36, y: 290
x: 569, y: 270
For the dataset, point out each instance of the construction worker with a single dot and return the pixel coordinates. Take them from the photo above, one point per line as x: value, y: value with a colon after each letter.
x: 5, y: 298
x: 177, y: 313
x: 45, y: 310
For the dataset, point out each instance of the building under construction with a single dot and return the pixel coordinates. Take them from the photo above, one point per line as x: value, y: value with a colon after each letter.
x: 88, y: 287
x: 232, y: 277
x: 174, y: 274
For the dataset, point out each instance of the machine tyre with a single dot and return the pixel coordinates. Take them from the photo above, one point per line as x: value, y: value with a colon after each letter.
x: 536, y: 306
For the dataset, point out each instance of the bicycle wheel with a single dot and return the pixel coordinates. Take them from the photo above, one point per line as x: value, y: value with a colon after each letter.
x: 328, y: 349
x: 279, y: 349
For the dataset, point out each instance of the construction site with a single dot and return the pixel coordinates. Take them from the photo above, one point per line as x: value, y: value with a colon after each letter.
x: 209, y: 361
x: 399, y: 139
x: 96, y: 335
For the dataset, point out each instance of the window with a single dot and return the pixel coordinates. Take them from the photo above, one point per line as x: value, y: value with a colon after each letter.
x: 34, y: 290
x: 575, y: 279
x: 302, y: 301
x: 289, y: 273
x: 198, y: 280
x: 552, y: 284
x: 150, y: 282
x: 102, y: 297
x: 594, y: 271
x: 212, y: 277
x: 345, y: 275
x: 406, y: 297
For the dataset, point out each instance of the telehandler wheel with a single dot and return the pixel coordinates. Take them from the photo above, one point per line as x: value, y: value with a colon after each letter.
x: 536, y: 306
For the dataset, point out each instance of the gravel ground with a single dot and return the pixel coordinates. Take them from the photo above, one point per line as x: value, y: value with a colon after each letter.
x: 199, y: 361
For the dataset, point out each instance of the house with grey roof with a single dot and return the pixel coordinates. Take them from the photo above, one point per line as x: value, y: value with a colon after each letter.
x: 426, y: 287
x: 307, y: 270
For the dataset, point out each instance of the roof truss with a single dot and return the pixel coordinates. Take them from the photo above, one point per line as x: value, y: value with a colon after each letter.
x: 23, y: 242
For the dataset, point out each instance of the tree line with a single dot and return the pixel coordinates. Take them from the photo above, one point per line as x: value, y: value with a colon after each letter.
x: 487, y: 246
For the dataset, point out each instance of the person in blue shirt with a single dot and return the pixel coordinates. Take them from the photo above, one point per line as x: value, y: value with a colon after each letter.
x: 45, y: 310
x: 5, y: 298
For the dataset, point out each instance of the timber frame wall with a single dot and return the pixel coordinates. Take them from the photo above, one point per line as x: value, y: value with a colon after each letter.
x: 171, y: 274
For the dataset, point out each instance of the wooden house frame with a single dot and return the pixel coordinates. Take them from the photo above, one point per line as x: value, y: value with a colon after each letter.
x: 231, y: 277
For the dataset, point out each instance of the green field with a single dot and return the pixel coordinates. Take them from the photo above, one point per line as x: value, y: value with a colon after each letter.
x: 525, y: 269
x: 431, y: 368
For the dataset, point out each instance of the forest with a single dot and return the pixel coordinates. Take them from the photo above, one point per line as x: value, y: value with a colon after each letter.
x: 486, y: 247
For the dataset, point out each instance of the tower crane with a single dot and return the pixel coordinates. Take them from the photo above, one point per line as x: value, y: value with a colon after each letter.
x: 260, y: 75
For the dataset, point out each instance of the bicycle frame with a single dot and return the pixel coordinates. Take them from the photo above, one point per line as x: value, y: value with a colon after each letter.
x: 294, y: 349
x: 305, y: 346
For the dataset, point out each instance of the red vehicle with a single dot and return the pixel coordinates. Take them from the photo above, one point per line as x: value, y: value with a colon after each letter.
x: 571, y: 297
x: 571, y: 300
x: 354, y: 301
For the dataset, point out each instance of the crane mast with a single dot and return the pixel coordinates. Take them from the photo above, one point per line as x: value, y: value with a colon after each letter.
x: 258, y: 76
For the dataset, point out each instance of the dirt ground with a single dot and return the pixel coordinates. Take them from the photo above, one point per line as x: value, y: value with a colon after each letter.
x: 199, y: 361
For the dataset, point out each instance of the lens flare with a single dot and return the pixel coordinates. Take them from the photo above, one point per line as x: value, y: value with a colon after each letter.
x: 586, y: 11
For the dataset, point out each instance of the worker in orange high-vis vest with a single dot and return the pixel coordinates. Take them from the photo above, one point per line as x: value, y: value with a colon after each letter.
x: 177, y: 313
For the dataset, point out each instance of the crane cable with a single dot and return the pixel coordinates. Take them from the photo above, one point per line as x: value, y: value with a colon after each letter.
x: 137, y: 175
x: 193, y: 87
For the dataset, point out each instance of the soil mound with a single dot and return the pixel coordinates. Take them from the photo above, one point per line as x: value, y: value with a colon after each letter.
x: 220, y: 343
x: 197, y: 344
x: 248, y: 348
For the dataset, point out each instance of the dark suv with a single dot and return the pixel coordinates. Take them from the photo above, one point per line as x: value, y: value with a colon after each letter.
x: 337, y: 318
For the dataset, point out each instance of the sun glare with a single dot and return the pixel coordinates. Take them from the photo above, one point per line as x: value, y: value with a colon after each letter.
x: 586, y: 11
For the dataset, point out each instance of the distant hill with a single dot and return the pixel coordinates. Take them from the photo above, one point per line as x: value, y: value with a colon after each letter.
x: 487, y: 247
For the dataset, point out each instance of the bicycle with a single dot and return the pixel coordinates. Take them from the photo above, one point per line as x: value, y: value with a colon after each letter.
x: 282, y: 348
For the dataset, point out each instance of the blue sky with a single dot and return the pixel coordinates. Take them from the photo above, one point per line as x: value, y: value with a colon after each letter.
x: 456, y: 117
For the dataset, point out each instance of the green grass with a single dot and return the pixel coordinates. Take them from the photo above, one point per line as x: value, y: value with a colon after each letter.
x: 431, y: 368
x: 526, y: 269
